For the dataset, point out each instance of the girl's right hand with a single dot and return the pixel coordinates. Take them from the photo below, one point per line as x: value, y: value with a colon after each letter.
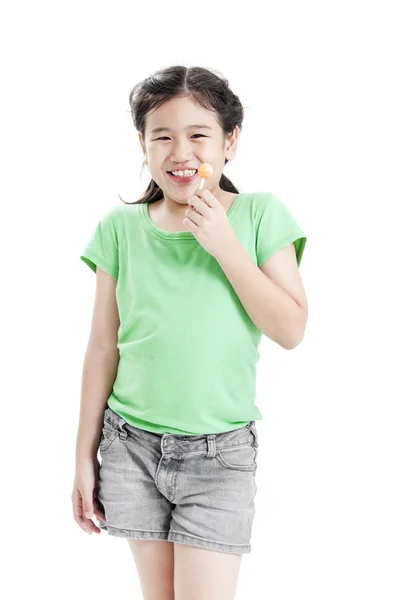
x: 84, y: 495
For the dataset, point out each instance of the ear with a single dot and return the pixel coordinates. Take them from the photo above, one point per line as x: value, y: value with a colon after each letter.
x: 231, y: 144
x: 142, y: 142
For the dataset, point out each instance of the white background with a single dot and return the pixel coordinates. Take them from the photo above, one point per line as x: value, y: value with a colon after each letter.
x: 319, y: 82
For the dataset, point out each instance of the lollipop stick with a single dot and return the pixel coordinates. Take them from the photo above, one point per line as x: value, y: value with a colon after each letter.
x: 205, y: 170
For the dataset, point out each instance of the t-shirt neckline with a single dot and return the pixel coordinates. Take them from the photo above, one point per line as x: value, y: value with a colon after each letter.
x: 175, y: 235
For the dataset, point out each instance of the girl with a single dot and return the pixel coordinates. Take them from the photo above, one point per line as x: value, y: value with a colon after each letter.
x: 187, y: 281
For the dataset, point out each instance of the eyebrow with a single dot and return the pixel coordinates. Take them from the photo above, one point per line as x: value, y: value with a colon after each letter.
x: 158, y: 129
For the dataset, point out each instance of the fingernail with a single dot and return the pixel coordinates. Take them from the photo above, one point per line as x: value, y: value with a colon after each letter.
x: 88, y: 515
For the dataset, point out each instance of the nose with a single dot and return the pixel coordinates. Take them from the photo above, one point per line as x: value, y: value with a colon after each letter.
x: 181, y: 151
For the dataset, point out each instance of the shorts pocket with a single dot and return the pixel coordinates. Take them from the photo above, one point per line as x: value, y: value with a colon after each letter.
x: 239, y: 458
x: 108, y: 435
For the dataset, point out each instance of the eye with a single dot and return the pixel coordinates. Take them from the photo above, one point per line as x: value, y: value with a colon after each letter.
x: 166, y: 138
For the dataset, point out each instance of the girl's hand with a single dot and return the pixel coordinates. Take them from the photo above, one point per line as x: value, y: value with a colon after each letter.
x: 84, y: 495
x: 207, y: 220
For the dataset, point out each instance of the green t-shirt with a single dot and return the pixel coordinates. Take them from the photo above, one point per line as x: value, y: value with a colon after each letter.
x: 188, y: 349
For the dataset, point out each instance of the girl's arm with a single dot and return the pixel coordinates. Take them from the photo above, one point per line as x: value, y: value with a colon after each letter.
x: 99, y: 367
x: 273, y: 294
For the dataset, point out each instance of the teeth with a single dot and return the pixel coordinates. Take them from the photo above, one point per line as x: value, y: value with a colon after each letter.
x: 186, y: 173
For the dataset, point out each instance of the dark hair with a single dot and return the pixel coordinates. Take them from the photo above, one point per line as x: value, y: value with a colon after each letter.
x: 207, y: 88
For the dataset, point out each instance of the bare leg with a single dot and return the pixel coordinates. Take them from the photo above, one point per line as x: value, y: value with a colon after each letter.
x: 205, y: 574
x: 155, y: 566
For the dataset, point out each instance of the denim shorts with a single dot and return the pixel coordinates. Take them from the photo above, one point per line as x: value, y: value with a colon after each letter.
x: 196, y: 490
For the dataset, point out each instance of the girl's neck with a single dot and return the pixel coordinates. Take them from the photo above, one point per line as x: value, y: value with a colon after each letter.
x: 168, y: 214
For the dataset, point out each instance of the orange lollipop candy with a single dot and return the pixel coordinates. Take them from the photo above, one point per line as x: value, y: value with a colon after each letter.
x: 205, y: 171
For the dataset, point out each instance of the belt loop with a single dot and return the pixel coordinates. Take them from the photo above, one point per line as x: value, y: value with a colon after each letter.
x: 252, y: 427
x: 123, y: 434
x: 211, y: 446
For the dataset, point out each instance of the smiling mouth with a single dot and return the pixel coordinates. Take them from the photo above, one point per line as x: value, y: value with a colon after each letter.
x: 170, y: 172
x: 185, y: 180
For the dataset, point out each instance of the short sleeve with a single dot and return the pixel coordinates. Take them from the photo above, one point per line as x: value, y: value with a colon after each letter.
x: 276, y: 229
x: 102, y: 248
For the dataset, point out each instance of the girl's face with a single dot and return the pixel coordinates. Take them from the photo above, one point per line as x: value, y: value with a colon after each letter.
x: 187, y: 135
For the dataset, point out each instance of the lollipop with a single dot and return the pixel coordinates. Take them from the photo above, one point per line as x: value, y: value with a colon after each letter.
x: 205, y: 171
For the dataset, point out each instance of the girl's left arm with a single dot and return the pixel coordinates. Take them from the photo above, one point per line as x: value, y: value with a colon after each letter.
x: 272, y: 294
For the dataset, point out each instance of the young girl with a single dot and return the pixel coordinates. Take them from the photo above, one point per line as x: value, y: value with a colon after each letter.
x: 187, y: 281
